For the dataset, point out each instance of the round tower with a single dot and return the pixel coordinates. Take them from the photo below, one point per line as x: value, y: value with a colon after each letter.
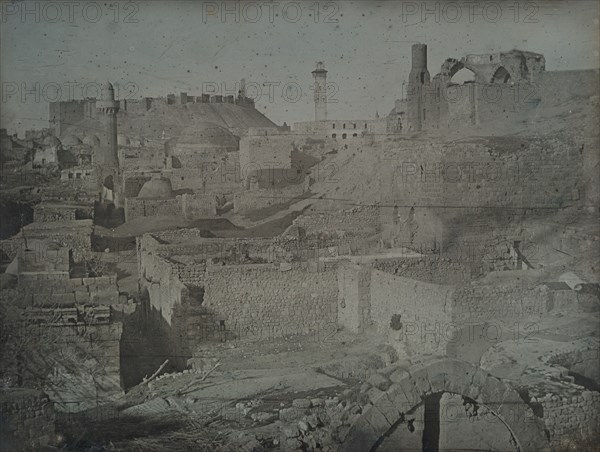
x: 418, y: 77
x: 320, y: 76
x: 108, y: 108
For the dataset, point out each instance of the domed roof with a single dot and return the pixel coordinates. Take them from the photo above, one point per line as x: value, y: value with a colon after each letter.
x: 157, y: 188
x: 123, y: 140
x: 51, y: 140
x: 91, y: 140
x: 71, y: 140
x: 208, y: 134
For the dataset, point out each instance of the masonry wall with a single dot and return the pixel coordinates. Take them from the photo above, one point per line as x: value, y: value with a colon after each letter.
x: 485, y: 303
x: 75, y: 235
x: 48, y: 289
x: 427, y: 269
x: 262, y: 150
x: 135, y: 207
x: 424, y: 309
x: 46, y: 214
x: 255, y: 301
x: 354, y: 297
x: 27, y: 419
x: 570, y: 414
x: 498, y: 101
x: 269, y: 301
x: 445, y: 188
x: 356, y: 222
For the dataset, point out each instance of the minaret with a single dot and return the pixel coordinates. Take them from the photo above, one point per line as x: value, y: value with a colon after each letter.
x: 419, y: 77
x: 108, y: 109
x: 320, y: 76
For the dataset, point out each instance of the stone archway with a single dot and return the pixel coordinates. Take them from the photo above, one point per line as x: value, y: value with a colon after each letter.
x: 410, y: 388
x: 501, y: 75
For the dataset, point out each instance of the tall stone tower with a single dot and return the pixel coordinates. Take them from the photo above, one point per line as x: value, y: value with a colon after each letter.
x: 107, y: 168
x: 418, y: 78
x: 108, y: 108
x: 320, y: 76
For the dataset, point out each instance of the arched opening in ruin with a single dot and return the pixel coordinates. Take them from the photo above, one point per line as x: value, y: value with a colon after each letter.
x: 463, y: 75
x: 446, y: 404
x: 447, y: 422
x: 501, y: 76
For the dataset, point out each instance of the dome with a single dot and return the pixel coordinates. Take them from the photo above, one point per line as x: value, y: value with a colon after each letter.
x: 51, y: 141
x: 208, y: 135
x: 123, y: 140
x: 71, y: 140
x: 157, y: 188
x: 91, y: 140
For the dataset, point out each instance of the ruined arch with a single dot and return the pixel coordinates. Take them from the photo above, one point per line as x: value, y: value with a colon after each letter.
x: 501, y: 76
x: 411, y: 387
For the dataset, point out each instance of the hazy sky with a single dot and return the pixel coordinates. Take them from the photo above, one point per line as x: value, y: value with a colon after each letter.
x: 157, y: 47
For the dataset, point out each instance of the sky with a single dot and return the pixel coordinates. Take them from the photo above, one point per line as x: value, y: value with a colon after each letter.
x: 61, y: 50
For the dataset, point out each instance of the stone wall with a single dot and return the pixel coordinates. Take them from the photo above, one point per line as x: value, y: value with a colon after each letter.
x: 357, y: 222
x: 354, y: 297
x: 570, y: 412
x: 484, y: 303
x: 428, y: 269
x: 424, y: 311
x: 75, y: 235
x: 48, y: 289
x: 26, y: 419
x: 437, y: 191
x: 136, y: 207
x: 191, y: 298
x: 46, y: 214
x: 270, y: 301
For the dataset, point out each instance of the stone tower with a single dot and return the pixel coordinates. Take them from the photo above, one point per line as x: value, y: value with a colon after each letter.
x: 107, y: 111
x: 107, y: 168
x: 418, y: 78
x: 320, y: 76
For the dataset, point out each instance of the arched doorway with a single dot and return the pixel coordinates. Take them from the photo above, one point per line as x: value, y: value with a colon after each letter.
x: 428, y: 400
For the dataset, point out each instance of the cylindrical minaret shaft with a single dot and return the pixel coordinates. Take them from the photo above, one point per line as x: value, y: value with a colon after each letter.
x: 320, y: 76
x: 108, y: 109
x: 418, y: 77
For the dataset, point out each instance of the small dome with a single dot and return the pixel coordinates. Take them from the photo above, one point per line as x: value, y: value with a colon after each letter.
x: 71, y: 140
x: 208, y: 135
x: 91, y: 140
x: 123, y: 140
x: 51, y: 141
x: 157, y: 188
